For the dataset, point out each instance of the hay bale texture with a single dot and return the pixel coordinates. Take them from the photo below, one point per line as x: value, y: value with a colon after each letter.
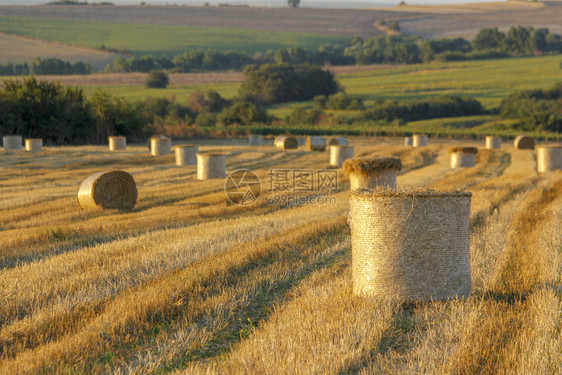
x: 160, y: 145
x: 286, y: 142
x: 211, y: 165
x: 410, y: 245
x: 493, y: 142
x: 339, y: 154
x: 186, y: 155
x: 315, y: 143
x: 12, y: 142
x: 117, y: 143
x: 522, y: 142
x: 256, y: 140
x: 549, y: 158
x: 33, y: 144
x: 408, y: 141
x: 108, y: 190
x: 370, y: 172
x: 463, y: 157
x: 420, y: 140
x: 338, y: 141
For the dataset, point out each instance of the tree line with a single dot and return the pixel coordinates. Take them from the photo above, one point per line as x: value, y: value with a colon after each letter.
x: 50, y: 66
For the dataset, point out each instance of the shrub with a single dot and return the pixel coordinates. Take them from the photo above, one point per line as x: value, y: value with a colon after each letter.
x: 157, y: 79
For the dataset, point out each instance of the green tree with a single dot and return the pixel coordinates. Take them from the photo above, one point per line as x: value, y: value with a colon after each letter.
x: 488, y: 39
x: 293, y: 3
x: 157, y: 79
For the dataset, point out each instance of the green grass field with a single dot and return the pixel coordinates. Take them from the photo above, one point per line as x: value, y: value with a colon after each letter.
x: 160, y: 40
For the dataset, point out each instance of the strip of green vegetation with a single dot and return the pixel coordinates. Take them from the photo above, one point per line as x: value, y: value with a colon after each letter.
x: 160, y: 40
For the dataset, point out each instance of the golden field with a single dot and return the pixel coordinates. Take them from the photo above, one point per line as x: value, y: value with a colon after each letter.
x: 188, y: 282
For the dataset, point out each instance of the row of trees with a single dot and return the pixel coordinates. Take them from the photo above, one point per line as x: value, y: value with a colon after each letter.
x: 50, y: 66
x: 535, y: 109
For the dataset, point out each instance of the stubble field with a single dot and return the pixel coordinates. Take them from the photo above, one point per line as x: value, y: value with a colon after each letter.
x: 187, y: 282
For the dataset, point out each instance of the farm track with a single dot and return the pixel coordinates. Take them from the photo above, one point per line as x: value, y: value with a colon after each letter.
x: 187, y: 281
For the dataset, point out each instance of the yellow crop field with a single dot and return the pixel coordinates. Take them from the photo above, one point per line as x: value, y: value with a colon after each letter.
x: 190, y: 282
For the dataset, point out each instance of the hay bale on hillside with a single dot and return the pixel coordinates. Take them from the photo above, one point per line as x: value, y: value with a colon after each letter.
x: 186, y: 155
x: 410, y: 245
x: 522, y: 142
x: 408, y: 141
x: 117, y: 143
x: 211, y: 165
x: 256, y: 140
x: 338, y: 141
x: 339, y: 154
x: 34, y: 144
x: 108, y: 190
x: 493, y: 142
x: 315, y: 143
x: 419, y: 140
x: 549, y: 158
x: 160, y: 145
x: 286, y: 142
x: 463, y: 156
x: 370, y: 172
x: 12, y: 142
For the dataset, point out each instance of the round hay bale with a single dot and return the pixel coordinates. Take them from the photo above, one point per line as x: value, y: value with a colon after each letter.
x: 211, y: 165
x: 522, y: 142
x: 463, y: 157
x: 117, y: 143
x: 108, y: 190
x: 186, y: 155
x: 408, y: 141
x: 549, y: 158
x: 286, y: 142
x: 338, y: 141
x: 160, y: 145
x: 34, y: 144
x: 256, y: 140
x: 410, y: 245
x: 493, y: 142
x: 419, y: 140
x: 370, y: 172
x: 315, y: 143
x: 12, y: 142
x: 339, y: 154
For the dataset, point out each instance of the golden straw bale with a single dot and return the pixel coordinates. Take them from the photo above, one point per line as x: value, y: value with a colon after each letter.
x: 338, y: 141
x: 117, y: 143
x: 339, y: 154
x: 410, y: 245
x: 370, y: 172
x: 256, y: 140
x: 315, y: 143
x: 493, y: 142
x: 211, y: 165
x: 34, y: 144
x: 12, y: 142
x: 160, y: 145
x: 549, y: 158
x: 522, y: 142
x: 108, y: 190
x: 286, y: 142
x: 408, y: 141
x: 186, y: 155
x: 419, y: 140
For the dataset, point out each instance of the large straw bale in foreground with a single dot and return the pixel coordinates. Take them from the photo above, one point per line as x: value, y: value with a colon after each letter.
x: 410, y: 245
x: 522, y: 142
x: 160, y: 145
x: 33, y: 144
x: 493, y: 142
x: 549, y: 158
x: 108, y: 190
x: 211, y: 165
x: 12, y: 142
x: 256, y: 140
x: 315, y: 143
x: 463, y: 157
x: 286, y: 142
x: 117, y: 143
x: 338, y: 141
x: 370, y: 172
x: 419, y: 140
x: 339, y: 154
x: 186, y: 155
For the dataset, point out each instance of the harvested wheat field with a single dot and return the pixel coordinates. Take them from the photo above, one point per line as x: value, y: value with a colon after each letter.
x: 187, y: 282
